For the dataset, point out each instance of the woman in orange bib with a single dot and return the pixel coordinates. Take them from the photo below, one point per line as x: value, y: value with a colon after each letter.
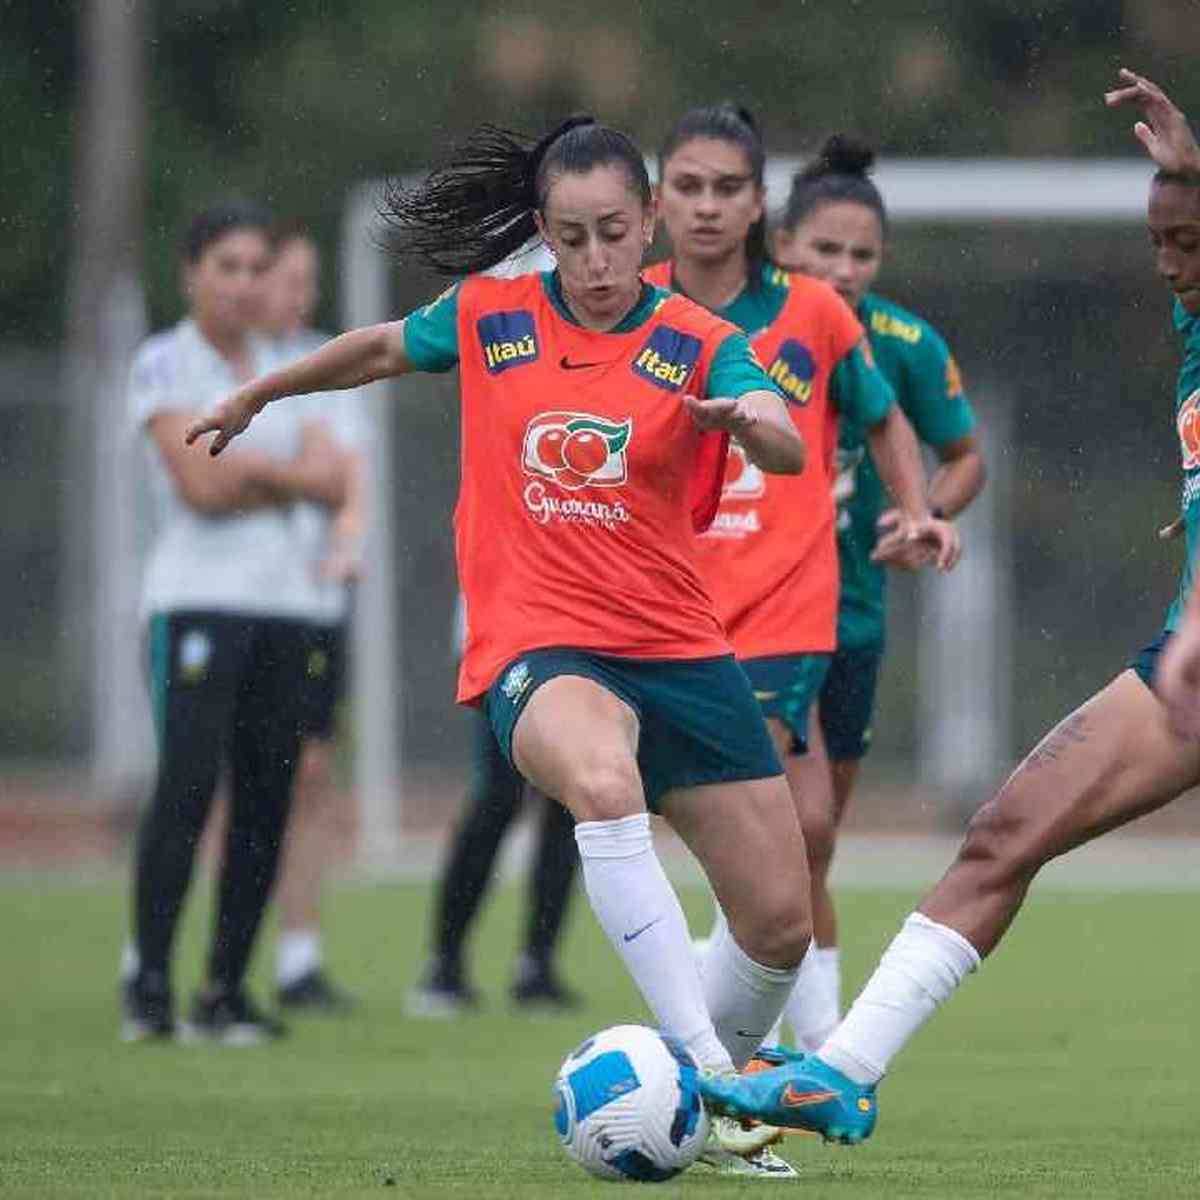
x: 770, y: 557
x: 597, y: 411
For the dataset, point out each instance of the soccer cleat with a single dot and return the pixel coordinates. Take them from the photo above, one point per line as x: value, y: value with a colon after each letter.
x: 147, y: 1009
x: 762, y: 1163
x: 537, y: 986
x: 314, y: 991
x: 442, y: 993
x: 230, y: 1018
x: 803, y: 1092
x: 744, y: 1137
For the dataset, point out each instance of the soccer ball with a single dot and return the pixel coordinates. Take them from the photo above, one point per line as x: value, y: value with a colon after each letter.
x: 627, y: 1106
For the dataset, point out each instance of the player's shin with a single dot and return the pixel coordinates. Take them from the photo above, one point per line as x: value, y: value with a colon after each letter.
x: 744, y: 997
x: 814, y: 1006
x: 639, y: 911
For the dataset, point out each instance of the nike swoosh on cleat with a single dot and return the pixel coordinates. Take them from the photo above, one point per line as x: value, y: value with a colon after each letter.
x: 576, y: 366
x: 637, y: 933
x: 749, y: 1033
x: 790, y: 1098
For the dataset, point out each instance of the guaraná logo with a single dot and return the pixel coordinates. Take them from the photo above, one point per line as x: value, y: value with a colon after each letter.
x: 1188, y: 420
x: 577, y: 449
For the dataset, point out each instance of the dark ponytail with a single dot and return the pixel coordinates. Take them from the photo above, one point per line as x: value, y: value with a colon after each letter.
x: 478, y: 209
x: 734, y: 124
x: 838, y: 174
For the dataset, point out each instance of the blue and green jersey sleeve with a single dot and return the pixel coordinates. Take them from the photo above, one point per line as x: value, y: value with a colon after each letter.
x: 431, y: 334
x: 735, y: 369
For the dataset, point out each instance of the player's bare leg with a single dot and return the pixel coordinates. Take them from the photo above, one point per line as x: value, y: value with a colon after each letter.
x: 1111, y: 761
x: 577, y: 742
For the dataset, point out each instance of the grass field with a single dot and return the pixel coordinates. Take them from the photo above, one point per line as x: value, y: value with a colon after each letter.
x: 1068, y: 1069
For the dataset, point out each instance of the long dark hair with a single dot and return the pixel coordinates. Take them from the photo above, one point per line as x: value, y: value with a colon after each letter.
x: 479, y: 208
x: 734, y: 124
x: 840, y: 172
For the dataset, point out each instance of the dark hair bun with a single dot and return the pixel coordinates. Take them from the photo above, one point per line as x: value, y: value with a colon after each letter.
x: 841, y: 155
x: 747, y: 118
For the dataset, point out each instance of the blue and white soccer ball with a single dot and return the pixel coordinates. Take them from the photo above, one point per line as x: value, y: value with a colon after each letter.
x: 627, y: 1105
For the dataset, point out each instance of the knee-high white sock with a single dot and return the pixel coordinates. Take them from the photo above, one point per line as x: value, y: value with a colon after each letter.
x: 918, y: 972
x: 814, y: 1007
x: 744, y: 997
x: 638, y: 909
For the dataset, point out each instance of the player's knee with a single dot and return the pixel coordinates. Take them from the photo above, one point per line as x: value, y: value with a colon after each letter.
x: 777, y: 935
x: 1002, y: 844
x: 604, y: 790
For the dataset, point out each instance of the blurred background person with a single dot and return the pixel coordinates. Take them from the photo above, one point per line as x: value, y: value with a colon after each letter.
x: 834, y: 228
x: 328, y: 544
x: 495, y: 797
x: 224, y: 597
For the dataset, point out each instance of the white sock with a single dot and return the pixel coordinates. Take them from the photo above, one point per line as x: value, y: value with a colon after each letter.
x: 918, y: 972
x: 815, y: 1005
x: 744, y: 997
x: 638, y: 909
x: 131, y: 962
x: 297, y: 952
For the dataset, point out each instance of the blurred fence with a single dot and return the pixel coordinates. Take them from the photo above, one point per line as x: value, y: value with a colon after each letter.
x: 1065, y: 342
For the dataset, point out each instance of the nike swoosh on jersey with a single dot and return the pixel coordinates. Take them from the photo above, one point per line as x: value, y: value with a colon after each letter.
x: 761, y: 696
x: 576, y: 366
x: 790, y: 1098
x: 637, y: 933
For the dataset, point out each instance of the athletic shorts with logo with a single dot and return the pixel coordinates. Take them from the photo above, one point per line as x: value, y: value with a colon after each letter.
x: 699, y: 721
x: 324, y: 680
x: 786, y: 686
x: 847, y: 700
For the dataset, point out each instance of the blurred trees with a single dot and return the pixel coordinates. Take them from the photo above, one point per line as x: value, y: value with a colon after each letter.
x: 294, y: 100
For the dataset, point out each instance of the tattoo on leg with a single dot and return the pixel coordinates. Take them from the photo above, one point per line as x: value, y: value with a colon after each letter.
x: 1072, y: 732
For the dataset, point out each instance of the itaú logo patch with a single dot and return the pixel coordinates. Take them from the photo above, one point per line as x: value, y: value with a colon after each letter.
x: 668, y: 357
x: 793, y: 370
x: 577, y: 450
x: 508, y: 339
x: 1188, y: 421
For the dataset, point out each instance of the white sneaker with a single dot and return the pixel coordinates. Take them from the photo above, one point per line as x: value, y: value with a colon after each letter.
x: 761, y: 1164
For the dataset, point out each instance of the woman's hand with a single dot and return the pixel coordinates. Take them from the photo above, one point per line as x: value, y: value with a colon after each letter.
x: 733, y: 414
x: 1164, y: 132
x: 228, y: 419
x: 912, y: 543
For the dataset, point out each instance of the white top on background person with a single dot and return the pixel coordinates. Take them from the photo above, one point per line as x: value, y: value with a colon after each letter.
x: 328, y: 541
x: 243, y: 561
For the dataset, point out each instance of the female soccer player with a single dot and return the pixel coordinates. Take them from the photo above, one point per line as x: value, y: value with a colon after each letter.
x: 834, y: 229
x: 225, y: 593
x: 1112, y: 760
x: 770, y: 558
x: 596, y: 416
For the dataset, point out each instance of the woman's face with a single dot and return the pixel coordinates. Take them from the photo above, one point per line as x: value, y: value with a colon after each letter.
x: 708, y: 199
x: 225, y: 284
x: 290, y: 291
x: 840, y: 242
x: 1174, y: 224
x: 598, y: 229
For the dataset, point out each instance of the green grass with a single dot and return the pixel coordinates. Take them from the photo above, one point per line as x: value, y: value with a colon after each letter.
x: 1067, y: 1069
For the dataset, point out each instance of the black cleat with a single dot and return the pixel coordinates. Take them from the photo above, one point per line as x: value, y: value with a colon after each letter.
x: 537, y: 986
x: 442, y: 992
x: 313, y: 991
x: 147, y: 1008
x: 230, y: 1018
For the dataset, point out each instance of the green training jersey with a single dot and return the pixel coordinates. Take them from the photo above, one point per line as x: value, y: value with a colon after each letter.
x: 1187, y: 420
x: 917, y: 363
